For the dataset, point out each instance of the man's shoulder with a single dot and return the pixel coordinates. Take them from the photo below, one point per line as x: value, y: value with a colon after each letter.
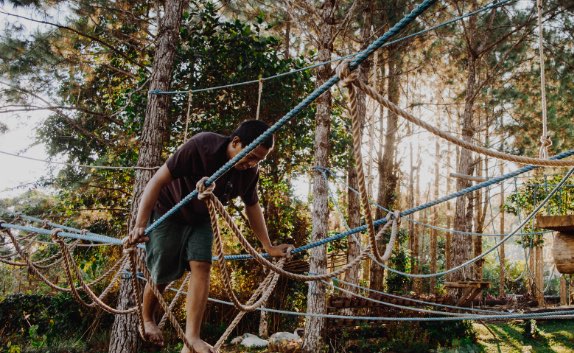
x: 208, y: 137
x: 209, y: 142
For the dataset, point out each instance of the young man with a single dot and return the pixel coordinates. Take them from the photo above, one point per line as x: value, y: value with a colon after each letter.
x: 183, y: 241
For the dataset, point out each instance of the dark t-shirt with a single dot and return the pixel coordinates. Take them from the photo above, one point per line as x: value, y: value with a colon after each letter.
x: 201, y: 156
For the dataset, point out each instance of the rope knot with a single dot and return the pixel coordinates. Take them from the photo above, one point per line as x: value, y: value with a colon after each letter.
x: 545, y: 143
x: 54, y: 235
x: 345, y: 74
x: 204, y: 192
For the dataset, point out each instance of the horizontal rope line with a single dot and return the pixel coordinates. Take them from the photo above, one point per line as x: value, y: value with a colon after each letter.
x: 490, y: 6
x: 77, y: 165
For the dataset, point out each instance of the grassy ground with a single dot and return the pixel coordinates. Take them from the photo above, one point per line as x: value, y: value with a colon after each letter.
x: 553, y: 337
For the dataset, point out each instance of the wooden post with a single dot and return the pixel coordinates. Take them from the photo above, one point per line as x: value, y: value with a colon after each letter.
x: 540, y: 272
x: 563, y: 292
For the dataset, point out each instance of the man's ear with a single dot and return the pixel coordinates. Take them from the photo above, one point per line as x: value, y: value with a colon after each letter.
x: 236, y: 141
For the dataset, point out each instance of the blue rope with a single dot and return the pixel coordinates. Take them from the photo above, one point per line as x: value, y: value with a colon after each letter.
x: 433, y: 203
x: 302, y: 105
x: 490, y: 6
x: 326, y: 172
x: 336, y: 236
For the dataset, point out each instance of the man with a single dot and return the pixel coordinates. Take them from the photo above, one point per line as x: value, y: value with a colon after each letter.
x: 183, y: 241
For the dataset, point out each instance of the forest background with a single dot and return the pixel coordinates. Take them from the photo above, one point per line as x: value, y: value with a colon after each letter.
x: 79, y: 73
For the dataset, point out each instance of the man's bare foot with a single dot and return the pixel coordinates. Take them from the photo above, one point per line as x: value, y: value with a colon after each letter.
x: 199, y: 346
x: 153, y: 333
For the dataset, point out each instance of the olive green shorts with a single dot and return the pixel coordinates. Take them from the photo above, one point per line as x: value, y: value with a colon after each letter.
x: 172, y: 245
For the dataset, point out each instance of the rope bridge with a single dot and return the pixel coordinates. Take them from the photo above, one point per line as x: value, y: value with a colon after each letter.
x: 346, y: 73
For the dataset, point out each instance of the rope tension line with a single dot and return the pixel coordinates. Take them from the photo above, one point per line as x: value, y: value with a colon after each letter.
x: 492, y: 5
x: 115, y: 241
x: 419, y: 9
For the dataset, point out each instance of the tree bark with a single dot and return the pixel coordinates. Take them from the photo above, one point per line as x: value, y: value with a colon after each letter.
x: 461, y: 247
x: 124, y: 336
x: 435, y: 220
x: 502, y: 253
x: 316, y: 295
x: 386, y: 167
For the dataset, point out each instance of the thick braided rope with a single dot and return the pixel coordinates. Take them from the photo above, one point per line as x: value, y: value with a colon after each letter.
x: 469, y: 146
x: 545, y: 141
x: 348, y: 78
x: 131, y: 252
x: 187, y: 117
x: 39, y: 264
x: 264, y: 262
x: 270, y: 280
x: 31, y: 266
x: 172, y: 319
x: 206, y: 194
x: 225, y: 270
x: 178, y: 294
x: 97, y: 301
x: 68, y: 272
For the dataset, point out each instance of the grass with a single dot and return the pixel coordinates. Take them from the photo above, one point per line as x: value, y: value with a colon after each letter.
x: 553, y: 337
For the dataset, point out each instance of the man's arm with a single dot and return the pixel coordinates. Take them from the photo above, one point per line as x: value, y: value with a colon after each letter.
x: 150, y: 195
x: 257, y: 222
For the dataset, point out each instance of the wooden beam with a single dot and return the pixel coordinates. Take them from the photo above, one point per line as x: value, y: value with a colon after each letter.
x: 468, y: 177
x: 563, y: 224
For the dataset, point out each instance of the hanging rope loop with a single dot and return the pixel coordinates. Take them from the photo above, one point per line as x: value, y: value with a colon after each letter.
x: 545, y: 143
x: 204, y: 192
x: 345, y: 74
x: 54, y: 235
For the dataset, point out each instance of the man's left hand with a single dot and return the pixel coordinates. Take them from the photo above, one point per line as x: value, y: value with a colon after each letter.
x: 280, y: 250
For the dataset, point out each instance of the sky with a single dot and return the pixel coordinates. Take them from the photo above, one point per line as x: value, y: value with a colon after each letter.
x: 18, y: 173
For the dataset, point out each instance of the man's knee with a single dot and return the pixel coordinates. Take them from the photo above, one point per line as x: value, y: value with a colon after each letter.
x: 202, y: 267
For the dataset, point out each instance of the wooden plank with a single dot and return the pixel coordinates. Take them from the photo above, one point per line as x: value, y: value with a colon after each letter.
x: 564, y: 224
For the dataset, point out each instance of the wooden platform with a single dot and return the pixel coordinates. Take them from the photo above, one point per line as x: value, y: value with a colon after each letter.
x: 470, y: 290
x: 563, y: 224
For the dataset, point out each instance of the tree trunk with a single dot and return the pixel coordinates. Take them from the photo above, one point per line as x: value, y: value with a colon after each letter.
x: 124, y: 336
x: 316, y: 294
x: 477, y: 240
x: 386, y: 166
x: 435, y: 220
x: 461, y: 247
x: 417, y: 283
x: 502, y: 253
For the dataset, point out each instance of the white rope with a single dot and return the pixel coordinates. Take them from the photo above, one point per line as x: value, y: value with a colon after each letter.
x: 259, y: 98
x: 545, y: 140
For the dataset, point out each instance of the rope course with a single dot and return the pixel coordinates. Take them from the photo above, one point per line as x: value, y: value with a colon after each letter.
x: 347, y: 73
x: 327, y: 172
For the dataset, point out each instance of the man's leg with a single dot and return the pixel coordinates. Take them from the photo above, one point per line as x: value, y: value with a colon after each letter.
x: 150, y: 308
x: 195, y: 306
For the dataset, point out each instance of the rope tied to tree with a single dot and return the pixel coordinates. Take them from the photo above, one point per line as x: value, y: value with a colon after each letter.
x: 187, y: 118
x: 350, y: 79
x: 545, y: 141
x: 260, y: 92
x: 345, y: 74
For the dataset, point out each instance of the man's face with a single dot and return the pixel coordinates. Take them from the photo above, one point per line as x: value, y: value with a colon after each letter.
x: 252, y: 159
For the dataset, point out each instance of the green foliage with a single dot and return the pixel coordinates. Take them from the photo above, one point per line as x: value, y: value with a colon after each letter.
x: 40, y: 322
x: 532, y: 193
x: 399, y: 261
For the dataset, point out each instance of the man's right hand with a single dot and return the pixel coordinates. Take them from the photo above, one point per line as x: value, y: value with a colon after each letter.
x: 137, y: 235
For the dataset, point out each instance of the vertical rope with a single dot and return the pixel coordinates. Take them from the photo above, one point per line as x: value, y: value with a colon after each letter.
x: 259, y: 98
x: 189, y: 100
x: 545, y: 140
